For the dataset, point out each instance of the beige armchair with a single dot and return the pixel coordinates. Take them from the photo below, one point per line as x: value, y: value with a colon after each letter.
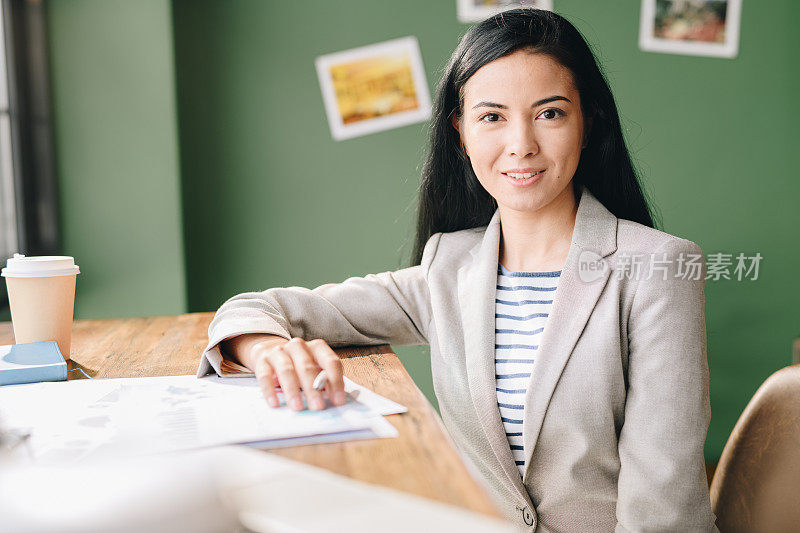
x: 756, y: 486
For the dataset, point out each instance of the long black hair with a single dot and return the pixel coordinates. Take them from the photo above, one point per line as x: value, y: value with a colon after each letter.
x: 450, y: 196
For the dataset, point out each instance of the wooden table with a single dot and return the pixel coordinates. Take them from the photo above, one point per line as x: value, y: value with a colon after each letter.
x: 422, y: 460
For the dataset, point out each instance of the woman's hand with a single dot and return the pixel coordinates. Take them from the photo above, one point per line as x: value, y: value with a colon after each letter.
x: 291, y: 364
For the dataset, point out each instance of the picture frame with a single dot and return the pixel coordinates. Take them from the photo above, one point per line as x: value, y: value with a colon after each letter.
x: 477, y: 10
x: 374, y: 88
x: 691, y: 27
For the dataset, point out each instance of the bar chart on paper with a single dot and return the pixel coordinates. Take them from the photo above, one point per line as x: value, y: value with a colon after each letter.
x: 133, y: 416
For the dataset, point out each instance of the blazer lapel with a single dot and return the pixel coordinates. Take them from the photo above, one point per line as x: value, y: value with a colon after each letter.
x: 583, y: 278
x: 477, y: 283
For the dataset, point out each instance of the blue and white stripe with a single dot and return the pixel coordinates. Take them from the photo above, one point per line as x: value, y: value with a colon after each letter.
x: 522, y: 305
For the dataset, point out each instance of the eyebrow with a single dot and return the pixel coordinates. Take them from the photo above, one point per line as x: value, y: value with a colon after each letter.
x: 535, y: 104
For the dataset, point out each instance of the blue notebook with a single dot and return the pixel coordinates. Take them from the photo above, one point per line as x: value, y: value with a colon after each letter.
x: 31, y: 362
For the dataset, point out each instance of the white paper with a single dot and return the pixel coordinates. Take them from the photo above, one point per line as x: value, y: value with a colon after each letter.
x: 374, y: 401
x: 72, y: 420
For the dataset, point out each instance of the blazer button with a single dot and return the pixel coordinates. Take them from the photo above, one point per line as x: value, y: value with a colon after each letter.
x: 527, y: 516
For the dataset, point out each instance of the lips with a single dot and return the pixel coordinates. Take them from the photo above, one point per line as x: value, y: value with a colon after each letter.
x: 523, y: 175
x: 522, y: 170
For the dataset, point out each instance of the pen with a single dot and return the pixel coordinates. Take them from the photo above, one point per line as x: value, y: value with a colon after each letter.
x: 320, y: 381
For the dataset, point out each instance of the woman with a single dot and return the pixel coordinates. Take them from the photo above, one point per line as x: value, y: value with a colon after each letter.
x: 577, y: 385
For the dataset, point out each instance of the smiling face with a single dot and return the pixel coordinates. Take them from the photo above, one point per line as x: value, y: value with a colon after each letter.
x: 522, y: 129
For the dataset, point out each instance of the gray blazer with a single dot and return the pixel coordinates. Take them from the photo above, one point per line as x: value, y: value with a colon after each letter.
x: 617, y: 407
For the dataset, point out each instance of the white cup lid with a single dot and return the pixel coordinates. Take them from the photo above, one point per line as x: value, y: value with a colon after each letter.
x: 43, y: 266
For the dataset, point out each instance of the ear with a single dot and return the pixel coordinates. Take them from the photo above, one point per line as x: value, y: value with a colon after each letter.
x: 587, y: 130
x: 457, y: 125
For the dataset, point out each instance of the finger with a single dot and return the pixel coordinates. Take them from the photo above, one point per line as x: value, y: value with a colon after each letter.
x: 287, y: 377
x: 330, y: 362
x: 307, y: 369
x: 266, y: 380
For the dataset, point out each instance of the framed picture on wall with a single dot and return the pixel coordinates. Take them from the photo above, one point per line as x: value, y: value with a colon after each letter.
x: 691, y: 27
x: 374, y: 88
x: 477, y: 10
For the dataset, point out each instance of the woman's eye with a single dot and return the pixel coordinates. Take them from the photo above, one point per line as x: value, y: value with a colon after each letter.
x: 482, y: 119
x: 552, y: 113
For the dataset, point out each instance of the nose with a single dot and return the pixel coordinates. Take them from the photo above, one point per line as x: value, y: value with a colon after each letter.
x: 521, y: 141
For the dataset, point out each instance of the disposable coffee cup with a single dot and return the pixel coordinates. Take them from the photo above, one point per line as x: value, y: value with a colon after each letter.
x: 41, y: 292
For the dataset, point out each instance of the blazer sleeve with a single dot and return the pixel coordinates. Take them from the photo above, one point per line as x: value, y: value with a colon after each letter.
x: 385, y: 308
x: 662, y: 479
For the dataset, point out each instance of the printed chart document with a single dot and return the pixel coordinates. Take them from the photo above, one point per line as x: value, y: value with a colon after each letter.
x: 75, y: 419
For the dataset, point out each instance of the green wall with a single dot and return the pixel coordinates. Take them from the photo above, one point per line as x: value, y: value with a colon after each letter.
x: 115, y: 124
x: 269, y: 199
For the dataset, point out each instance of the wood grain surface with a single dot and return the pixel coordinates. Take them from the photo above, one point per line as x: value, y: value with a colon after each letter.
x: 421, y: 461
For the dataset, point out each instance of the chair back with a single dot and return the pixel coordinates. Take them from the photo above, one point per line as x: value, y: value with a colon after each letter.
x: 756, y: 487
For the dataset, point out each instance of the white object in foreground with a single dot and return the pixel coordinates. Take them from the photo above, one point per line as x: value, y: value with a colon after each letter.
x: 215, y: 490
x: 276, y: 495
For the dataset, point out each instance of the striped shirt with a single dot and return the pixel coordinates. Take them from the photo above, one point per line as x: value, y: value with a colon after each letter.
x: 522, y: 305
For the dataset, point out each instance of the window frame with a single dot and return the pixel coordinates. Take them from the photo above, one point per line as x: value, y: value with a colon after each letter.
x: 29, y: 135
